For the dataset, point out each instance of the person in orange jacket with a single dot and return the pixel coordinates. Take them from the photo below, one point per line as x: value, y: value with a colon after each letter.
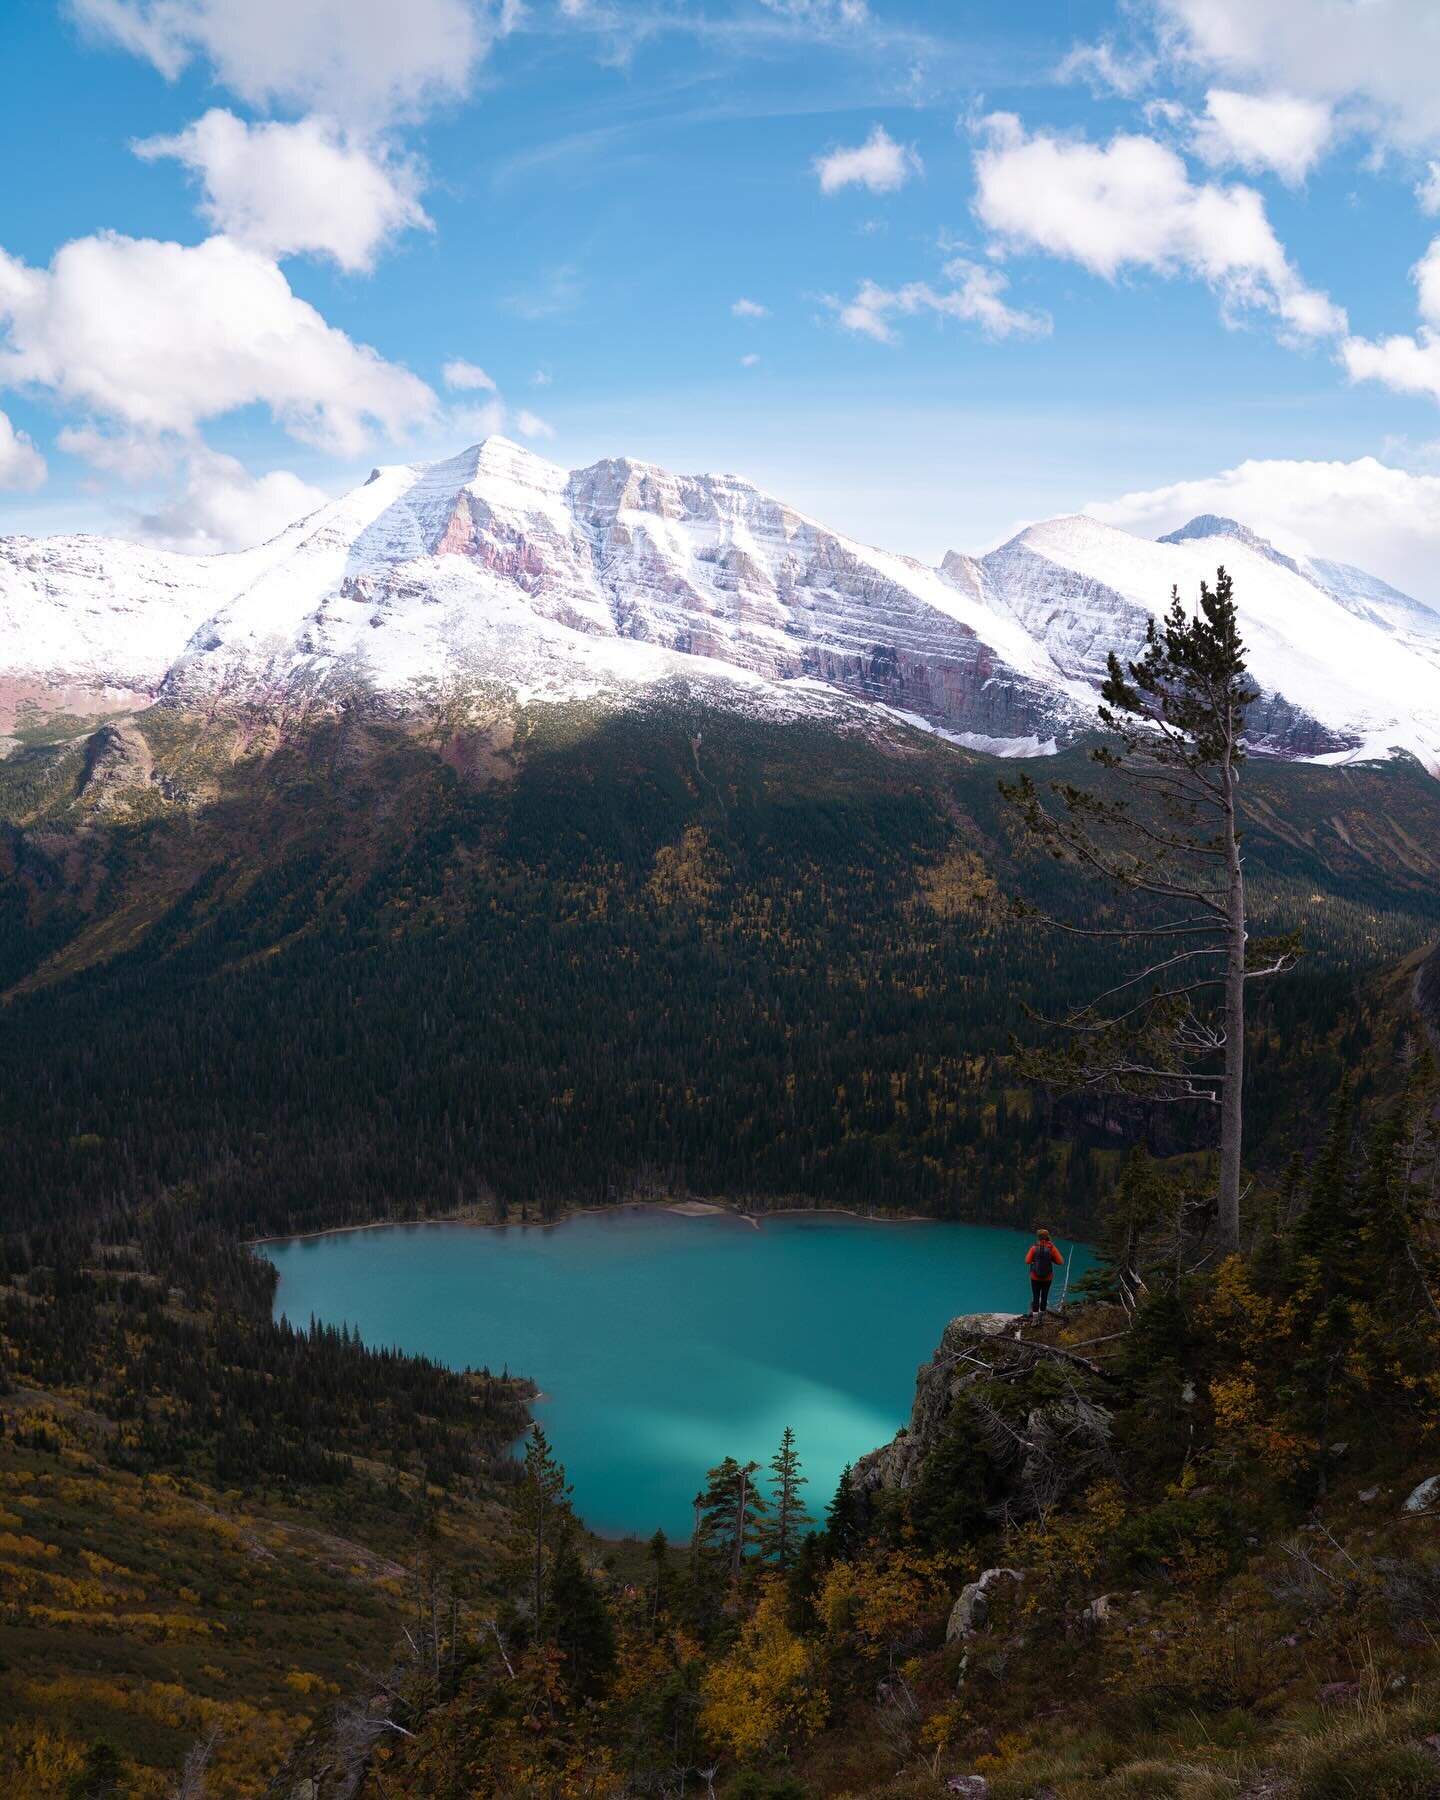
x: 1042, y: 1259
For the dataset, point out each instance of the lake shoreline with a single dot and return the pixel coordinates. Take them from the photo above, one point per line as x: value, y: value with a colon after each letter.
x: 685, y: 1209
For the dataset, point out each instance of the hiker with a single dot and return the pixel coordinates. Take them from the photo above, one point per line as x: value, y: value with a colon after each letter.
x: 1043, y: 1259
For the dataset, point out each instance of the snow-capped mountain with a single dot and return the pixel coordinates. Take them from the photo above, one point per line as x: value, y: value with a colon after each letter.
x: 496, y: 571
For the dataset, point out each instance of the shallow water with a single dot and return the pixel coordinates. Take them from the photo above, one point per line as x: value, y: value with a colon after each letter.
x: 664, y: 1343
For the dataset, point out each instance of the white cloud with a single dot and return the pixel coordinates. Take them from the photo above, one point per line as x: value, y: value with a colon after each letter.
x: 541, y: 378
x: 224, y: 507
x: 134, y: 456
x: 21, y: 464
x: 821, y: 12
x: 285, y: 188
x: 749, y: 309
x: 1384, y: 520
x: 1408, y: 365
x: 879, y: 164
x: 157, y: 337
x: 466, y: 376
x: 1105, y: 70
x: 469, y: 424
x: 530, y: 425
x: 1379, y: 56
x: 750, y: 361
x: 1131, y: 204
x: 975, y: 296
x: 1280, y: 132
x: 1427, y: 192
x: 357, y: 60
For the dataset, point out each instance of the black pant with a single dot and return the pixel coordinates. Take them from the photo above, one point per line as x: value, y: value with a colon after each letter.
x: 1039, y: 1296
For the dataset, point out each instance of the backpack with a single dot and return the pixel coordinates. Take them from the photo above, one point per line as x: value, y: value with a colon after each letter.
x: 1042, y: 1261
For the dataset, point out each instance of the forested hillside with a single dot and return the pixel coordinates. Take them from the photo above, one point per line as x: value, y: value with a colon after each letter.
x: 649, y: 950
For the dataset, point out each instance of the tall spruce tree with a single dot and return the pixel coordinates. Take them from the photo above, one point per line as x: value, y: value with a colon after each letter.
x: 544, y: 1508
x: 730, y: 1512
x: 1166, y: 829
x: 784, y: 1527
x: 844, y: 1516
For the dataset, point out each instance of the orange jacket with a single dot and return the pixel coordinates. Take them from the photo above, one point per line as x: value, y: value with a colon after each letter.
x: 1035, y: 1257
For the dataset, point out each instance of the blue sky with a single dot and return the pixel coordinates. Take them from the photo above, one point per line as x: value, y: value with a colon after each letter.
x: 1154, y: 258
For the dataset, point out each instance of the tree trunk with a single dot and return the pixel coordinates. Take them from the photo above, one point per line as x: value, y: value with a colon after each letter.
x: 538, y: 1585
x: 1232, y: 1113
x: 739, y: 1549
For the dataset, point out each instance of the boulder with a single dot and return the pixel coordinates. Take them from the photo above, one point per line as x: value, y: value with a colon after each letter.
x: 973, y: 1787
x: 1100, y: 1611
x: 971, y: 1612
x: 1425, y: 1496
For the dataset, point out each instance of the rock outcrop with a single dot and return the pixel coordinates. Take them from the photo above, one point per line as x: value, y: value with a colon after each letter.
x: 1063, y: 1441
x: 971, y: 1612
x: 938, y: 1384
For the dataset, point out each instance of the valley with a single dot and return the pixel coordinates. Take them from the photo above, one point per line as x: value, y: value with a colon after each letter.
x: 500, y: 848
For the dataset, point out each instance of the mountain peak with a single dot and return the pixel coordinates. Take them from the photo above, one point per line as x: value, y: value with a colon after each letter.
x: 1214, y: 525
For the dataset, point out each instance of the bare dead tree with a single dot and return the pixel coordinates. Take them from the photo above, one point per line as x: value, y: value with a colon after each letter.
x: 1167, y: 830
x: 193, y: 1771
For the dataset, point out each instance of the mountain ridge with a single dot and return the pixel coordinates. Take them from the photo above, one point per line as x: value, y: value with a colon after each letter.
x: 495, y: 568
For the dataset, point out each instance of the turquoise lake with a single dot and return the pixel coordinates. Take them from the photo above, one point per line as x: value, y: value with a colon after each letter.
x: 663, y: 1343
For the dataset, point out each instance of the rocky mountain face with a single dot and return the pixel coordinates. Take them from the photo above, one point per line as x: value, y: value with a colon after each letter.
x: 496, y: 573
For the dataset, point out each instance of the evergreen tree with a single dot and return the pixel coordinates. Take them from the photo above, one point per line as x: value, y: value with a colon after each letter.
x: 731, y: 1508
x: 783, y: 1530
x: 577, y: 1621
x: 544, y: 1507
x: 658, y: 1550
x: 1327, y: 1224
x: 844, y: 1517
x: 1167, y: 829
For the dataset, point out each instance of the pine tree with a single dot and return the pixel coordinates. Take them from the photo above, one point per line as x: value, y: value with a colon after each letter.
x: 843, y: 1520
x: 1327, y: 1224
x: 730, y: 1511
x: 577, y: 1621
x: 782, y: 1532
x: 544, y: 1508
x: 658, y: 1550
x: 1168, y: 831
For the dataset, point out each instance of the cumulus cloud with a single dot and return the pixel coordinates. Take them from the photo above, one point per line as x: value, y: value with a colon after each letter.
x: 974, y: 296
x: 466, y: 376
x: 1379, y: 57
x: 531, y: 425
x: 356, y: 60
x: 224, y: 507
x: 1280, y: 132
x: 21, y: 464
x: 282, y: 189
x: 157, y: 337
x: 1408, y: 364
x: 879, y: 164
x: 750, y: 361
x: 1132, y: 205
x: 1383, y: 519
x: 1427, y: 192
x: 749, y: 309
